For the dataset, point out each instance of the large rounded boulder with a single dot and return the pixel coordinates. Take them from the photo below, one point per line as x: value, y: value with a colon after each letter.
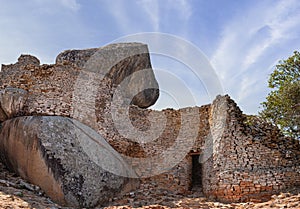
x: 73, y: 164
x: 118, y: 63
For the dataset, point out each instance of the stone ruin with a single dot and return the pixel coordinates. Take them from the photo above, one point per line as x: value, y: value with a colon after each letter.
x: 65, y: 129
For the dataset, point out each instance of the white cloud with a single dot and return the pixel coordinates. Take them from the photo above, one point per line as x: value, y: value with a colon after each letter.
x: 150, y: 12
x: 152, y: 9
x: 279, y: 25
x: 71, y: 4
x: 52, y: 6
x: 239, y: 39
x: 43, y: 32
x: 247, y: 42
x: 122, y: 16
x: 182, y: 7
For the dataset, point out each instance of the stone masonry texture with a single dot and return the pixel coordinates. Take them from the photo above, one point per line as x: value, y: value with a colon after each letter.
x: 242, y: 158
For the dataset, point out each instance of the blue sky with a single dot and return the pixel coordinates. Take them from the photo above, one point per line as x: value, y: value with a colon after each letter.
x: 243, y: 40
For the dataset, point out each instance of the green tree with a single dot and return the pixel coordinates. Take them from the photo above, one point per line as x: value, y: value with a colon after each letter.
x: 282, y: 105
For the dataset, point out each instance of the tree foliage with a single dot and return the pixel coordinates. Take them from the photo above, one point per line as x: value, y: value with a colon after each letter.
x: 282, y: 105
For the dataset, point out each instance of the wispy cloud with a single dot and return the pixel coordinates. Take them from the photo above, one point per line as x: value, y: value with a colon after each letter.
x: 182, y: 7
x: 71, y: 4
x: 248, y: 38
x: 43, y: 31
x: 118, y: 11
x: 152, y: 13
x: 55, y: 5
x: 152, y: 9
x: 278, y: 26
x: 242, y: 38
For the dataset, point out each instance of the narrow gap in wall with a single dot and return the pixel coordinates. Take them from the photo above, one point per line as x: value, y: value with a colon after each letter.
x: 196, y: 174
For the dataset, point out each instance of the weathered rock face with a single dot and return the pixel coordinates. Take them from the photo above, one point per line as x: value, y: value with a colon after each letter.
x: 52, y: 152
x: 240, y: 162
x: 235, y: 161
x: 23, y: 60
x: 12, y: 101
x: 116, y: 62
x: 45, y: 150
x: 77, y: 57
x: 53, y: 89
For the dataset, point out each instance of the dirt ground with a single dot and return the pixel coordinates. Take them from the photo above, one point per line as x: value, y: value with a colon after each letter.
x: 17, y: 193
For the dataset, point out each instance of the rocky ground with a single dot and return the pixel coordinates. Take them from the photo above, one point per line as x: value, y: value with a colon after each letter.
x: 165, y: 200
x: 17, y: 193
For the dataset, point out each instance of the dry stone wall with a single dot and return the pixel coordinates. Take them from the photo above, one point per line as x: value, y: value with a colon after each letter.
x: 49, y: 87
x: 240, y: 160
x: 252, y: 161
x: 69, y: 88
